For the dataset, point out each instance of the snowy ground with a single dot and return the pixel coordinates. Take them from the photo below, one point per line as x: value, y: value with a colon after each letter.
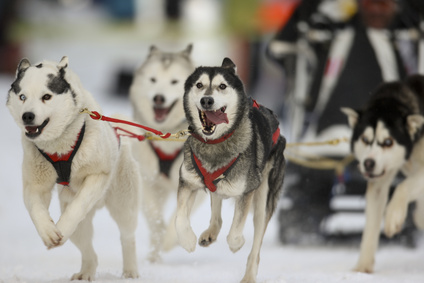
x: 23, y: 257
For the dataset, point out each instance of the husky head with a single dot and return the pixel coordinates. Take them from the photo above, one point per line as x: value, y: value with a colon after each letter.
x: 158, y: 87
x: 385, y: 131
x: 214, y: 100
x: 41, y: 99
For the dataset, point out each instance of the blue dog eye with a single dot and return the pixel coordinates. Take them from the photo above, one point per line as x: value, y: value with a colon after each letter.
x: 22, y: 97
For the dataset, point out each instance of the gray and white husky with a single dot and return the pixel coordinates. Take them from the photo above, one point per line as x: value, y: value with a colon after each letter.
x: 82, y: 156
x: 156, y: 95
x: 235, y: 150
x: 388, y: 138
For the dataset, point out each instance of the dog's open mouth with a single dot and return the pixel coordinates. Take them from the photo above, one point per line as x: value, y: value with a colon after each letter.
x: 372, y: 176
x: 34, y: 131
x: 212, y: 118
x: 161, y: 113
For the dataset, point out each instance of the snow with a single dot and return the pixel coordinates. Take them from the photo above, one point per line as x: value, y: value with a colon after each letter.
x: 23, y: 257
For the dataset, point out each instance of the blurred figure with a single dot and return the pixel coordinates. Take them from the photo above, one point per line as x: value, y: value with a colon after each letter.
x: 334, y: 53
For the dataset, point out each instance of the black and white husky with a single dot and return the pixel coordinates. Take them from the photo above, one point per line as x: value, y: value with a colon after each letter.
x: 82, y: 156
x: 235, y: 150
x: 157, y: 98
x: 388, y: 138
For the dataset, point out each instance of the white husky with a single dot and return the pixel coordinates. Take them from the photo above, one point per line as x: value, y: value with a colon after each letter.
x: 81, y: 155
x: 157, y: 98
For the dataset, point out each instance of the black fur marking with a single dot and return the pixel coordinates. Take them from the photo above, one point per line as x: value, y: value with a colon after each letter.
x: 58, y: 84
x: 39, y: 65
x: 391, y: 103
x: 15, y: 87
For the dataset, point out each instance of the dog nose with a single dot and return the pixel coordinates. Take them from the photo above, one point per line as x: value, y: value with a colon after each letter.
x: 159, y: 99
x: 28, y: 117
x: 206, y: 102
x: 369, y: 164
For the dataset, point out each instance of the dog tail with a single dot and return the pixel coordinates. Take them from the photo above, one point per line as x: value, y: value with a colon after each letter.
x: 276, y: 176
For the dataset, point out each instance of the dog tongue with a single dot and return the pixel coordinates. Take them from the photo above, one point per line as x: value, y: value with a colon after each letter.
x: 217, y: 117
x: 160, y: 113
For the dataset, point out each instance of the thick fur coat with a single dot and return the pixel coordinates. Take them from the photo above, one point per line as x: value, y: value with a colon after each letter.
x: 45, y: 100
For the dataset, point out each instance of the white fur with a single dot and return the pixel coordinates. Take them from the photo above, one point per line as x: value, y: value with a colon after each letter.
x: 103, y: 173
x: 157, y: 189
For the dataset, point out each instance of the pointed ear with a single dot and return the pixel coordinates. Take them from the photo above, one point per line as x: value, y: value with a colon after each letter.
x: 153, y: 50
x: 352, y: 116
x: 63, y: 64
x: 187, y: 51
x: 227, y: 63
x: 414, y: 124
x: 24, y: 64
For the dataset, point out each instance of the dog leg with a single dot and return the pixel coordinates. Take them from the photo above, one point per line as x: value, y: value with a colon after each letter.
x: 376, y: 200
x: 170, y: 237
x: 186, y: 236
x: 82, y: 238
x: 37, y: 202
x: 92, y: 189
x: 210, y: 235
x: 407, y: 191
x: 235, y: 237
x: 419, y: 213
x: 260, y: 223
x: 124, y: 212
x: 122, y: 202
x: 153, y: 199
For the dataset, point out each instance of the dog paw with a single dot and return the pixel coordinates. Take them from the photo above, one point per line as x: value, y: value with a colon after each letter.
x: 235, y: 243
x: 50, y: 235
x: 130, y: 274
x: 87, y: 276
x: 207, y: 238
x: 154, y: 257
x: 187, y: 240
x: 363, y: 269
x: 395, y: 218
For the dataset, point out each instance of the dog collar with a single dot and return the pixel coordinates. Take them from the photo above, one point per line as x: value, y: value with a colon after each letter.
x: 62, y: 163
x: 165, y: 160
x: 211, y: 179
x: 221, y: 139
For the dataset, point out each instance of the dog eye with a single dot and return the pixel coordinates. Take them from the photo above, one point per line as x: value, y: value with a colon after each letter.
x: 199, y: 85
x: 387, y: 142
x: 174, y: 82
x: 222, y: 86
x: 22, y: 97
x: 153, y: 80
x: 46, y: 97
x: 365, y: 140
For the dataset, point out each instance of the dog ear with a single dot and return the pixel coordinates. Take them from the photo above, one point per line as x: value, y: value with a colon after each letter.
x: 187, y: 51
x: 352, y: 116
x: 63, y: 64
x: 414, y: 124
x: 24, y: 64
x: 153, y: 50
x: 227, y: 63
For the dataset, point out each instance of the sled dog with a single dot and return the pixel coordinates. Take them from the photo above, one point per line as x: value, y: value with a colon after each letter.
x: 235, y: 150
x: 83, y: 157
x: 156, y: 95
x: 387, y: 138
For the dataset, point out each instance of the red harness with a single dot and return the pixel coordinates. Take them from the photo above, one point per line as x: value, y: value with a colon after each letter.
x: 165, y: 160
x: 211, y: 178
x: 62, y: 163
